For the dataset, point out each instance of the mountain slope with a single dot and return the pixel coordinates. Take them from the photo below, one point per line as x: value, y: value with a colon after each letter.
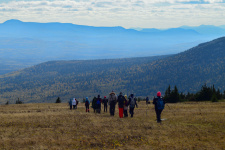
x: 191, y: 69
x: 81, y: 78
x: 188, y: 70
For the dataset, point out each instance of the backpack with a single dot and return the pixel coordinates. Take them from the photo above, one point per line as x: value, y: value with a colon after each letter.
x: 98, y: 102
x: 112, y: 100
x: 160, y: 104
x: 121, y: 100
x: 132, y: 102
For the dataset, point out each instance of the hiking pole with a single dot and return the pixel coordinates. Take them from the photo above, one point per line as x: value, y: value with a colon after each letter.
x: 146, y: 110
x: 170, y: 109
x: 168, y: 106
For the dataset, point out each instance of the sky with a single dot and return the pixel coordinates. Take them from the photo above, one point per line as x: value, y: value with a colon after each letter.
x: 159, y: 14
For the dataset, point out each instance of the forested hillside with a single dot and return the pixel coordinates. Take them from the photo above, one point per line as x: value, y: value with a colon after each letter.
x: 189, y: 70
x: 67, y: 79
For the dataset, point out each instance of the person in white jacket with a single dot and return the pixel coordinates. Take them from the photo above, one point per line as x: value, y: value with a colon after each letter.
x: 74, y: 103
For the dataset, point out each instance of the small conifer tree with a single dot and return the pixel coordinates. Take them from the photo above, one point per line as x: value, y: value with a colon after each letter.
x: 19, y: 101
x: 58, y: 100
x: 214, y: 98
x: 7, y: 103
x: 139, y: 99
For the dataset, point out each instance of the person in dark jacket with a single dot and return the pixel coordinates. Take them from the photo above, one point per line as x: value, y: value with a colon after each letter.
x: 112, y: 102
x: 125, y: 107
x: 121, y: 102
x: 132, y: 103
x: 98, y: 101
x: 71, y: 104
x: 77, y: 102
x: 87, y: 103
x: 158, y: 111
x: 147, y: 100
x: 94, y: 103
x: 105, y: 102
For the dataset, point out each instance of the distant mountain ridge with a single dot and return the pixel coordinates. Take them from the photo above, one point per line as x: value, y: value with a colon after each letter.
x: 207, y: 29
x: 24, y: 44
x: 172, y: 31
x: 202, y: 29
x: 188, y: 70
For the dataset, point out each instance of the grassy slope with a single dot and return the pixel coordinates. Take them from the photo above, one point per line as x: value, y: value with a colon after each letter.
x: 54, y: 126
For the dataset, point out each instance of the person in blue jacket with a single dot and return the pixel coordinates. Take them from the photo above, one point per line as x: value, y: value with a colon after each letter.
x: 159, y: 106
x: 70, y: 103
x: 87, y: 103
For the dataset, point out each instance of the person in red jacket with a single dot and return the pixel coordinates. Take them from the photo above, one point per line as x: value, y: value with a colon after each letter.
x: 121, y: 102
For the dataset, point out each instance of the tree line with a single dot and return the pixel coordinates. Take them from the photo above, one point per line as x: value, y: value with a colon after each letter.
x: 205, y: 94
x: 173, y: 96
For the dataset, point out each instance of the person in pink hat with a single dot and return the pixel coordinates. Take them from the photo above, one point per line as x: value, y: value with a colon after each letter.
x: 159, y: 106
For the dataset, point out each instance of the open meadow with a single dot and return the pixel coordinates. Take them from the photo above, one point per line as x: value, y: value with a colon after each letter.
x: 53, y: 126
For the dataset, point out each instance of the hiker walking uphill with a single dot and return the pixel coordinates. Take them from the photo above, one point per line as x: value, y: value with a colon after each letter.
x: 112, y: 103
x: 87, y: 103
x: 132, y: 102
x: 159, y: 106
x: 121, y: 102
x: 105, y: 102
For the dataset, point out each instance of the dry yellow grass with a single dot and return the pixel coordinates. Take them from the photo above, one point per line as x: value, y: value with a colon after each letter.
x: 54, y: 126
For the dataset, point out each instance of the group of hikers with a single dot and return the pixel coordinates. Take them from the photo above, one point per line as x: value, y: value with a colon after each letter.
x: 73, y: 103
x: 123, y: 103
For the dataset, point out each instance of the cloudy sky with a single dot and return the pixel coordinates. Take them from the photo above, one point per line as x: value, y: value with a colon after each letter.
x: 125, y: 13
